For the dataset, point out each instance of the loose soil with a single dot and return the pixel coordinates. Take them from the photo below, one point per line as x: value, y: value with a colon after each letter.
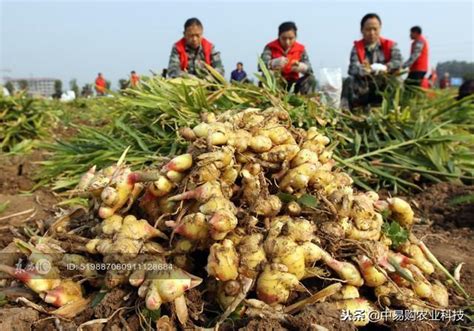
x: 24, y: 208
x: 447, y: 228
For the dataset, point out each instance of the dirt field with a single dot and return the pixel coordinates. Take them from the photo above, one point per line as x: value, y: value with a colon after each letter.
x: 447, y: 229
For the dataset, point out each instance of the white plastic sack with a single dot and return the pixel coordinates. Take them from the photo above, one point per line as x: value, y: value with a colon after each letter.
x: 330, y: 85
x: 68, y: 96
x: 5, y: 92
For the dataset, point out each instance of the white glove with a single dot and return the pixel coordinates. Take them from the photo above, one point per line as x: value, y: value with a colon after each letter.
x: 300, y: 67
x: 378, y: 68
x: 278, y: 63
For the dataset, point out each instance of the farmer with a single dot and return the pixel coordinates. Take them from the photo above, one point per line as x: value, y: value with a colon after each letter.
x: 433, y: 77
x: 100, y: 85
x: 134, y: 79
x: 289, y: 57
x: 238, y: 75
x: 418, y: 61
x: 371, y: 58
x: 189, y: 54
x: 445, y: 82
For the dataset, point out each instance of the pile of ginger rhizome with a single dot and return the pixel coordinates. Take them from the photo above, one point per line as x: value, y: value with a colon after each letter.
x: 255, y: 218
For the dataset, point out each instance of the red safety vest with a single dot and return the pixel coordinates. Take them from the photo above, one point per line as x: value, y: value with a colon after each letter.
x: 386, y: 44
x: 425, y: 83
x: 183, y: 56
x: 293, y: 55
x: 134, y: 79
x: 100, y: 84
x: 421, y: 63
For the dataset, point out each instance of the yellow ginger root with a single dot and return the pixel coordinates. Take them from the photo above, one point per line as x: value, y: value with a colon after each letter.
x: 167, y: 286
x: 401, y: 212
x: 354, y: 306
x: 260, y: 144
x: 221, y: 223
x: 138, y: 229
x: 180, y: 163
x: 345, y: 270
x: 275, y: 283
x: 418, y: 256
x: 192, y: 226
x: 372, y: 276
x: 298, y: 178
x: 280, y: 153
x: 223, y: 261
x: 220, y: 158
x: 252, y: 254
x: 161, y: 187
x: 305, y: 156
x: 279, y: 135
x: 284, y: 250
x: 269, y: 206
x: 346, y: 292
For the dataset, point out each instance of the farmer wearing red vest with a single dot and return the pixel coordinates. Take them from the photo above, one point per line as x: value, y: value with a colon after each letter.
x: 418, y: 61
x: 134, y: 79
x: 290, y: 58
x: 100, y: 84
x: 371, y: 59
x: 190, y: 53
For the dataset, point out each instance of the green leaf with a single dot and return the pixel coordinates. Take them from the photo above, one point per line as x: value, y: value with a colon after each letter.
x: 134, y: 134
x: 237, y: 313
x: 308, y: 200
x: 385, y: 214
x: 400, y: 270
x: 4, y: 206
x: 357, y: 141
x: 395, y: 232
x: 461, y: 200
x: 3, y: 299
x: 98, y: 298
x: 285, y: 197
x: 74, y: 202
x: 154, y: 315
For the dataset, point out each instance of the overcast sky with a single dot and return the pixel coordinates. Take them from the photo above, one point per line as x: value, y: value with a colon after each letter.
x: 77, y: 39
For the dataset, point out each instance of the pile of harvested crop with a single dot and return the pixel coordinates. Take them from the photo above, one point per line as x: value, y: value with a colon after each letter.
x: 254, y: 216
x: 24, y: 121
